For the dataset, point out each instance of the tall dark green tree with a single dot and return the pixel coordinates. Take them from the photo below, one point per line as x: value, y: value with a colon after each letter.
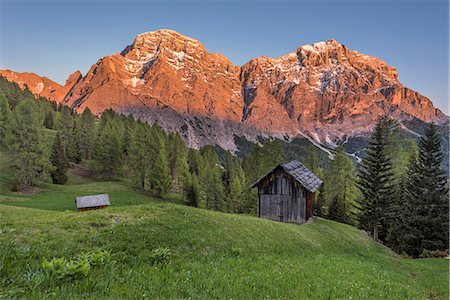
x: 108, y: 151
x: 192, y: 190
x: 377, y: 182
x: 87, y: 134
x: 159, y: 178
x: 178, y: 159
x: 73, y: 146
x: 340, y: 191
x: 30, y: 164
x: 429, y: 196
x: 59, y: 161
x: 140, y: 154
x: 5, y: 121
x: 210, y: 174
x: 263, y: 159
x: 401, y: 234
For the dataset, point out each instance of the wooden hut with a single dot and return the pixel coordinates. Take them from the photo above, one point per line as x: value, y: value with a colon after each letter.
x: 92, y: 202
x: 287, y: 193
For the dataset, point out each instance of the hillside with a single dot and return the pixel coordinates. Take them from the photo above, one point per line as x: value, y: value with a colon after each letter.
x: 269, y: 260
x: 212, y: 254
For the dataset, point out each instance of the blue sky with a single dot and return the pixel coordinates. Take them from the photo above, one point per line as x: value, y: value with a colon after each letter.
x: 55, y: 38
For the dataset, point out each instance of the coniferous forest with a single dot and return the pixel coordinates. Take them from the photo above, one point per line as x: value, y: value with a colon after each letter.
x: 397, y: 193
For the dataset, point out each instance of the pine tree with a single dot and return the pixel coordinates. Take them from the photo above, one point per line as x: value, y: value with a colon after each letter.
x: 30, y: 164
x: 429, y: 196
x: 376, y: 182
x: 5, y: 121
x: 160, y: 180
x: 59, y: 161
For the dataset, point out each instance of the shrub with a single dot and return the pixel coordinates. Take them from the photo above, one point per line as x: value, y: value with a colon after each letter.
x: 160, y: 255
x: 61, y: 267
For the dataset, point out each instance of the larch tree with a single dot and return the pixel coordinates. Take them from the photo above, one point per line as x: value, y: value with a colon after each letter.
x: 108, y: 152
x: 210, y: 173
x: 5, y: 121
x: 159, y: 178
x: 30, y: 164
x: 340, y: 188
x: 140, y: 154
x: 87, y: 134
x: 59, y: 161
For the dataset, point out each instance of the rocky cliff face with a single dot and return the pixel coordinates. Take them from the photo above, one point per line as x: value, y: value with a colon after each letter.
x: 327, y: 92
x: 42, y: 86
x: 322, y: 91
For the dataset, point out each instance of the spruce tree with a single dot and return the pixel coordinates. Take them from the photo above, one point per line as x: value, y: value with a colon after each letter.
x: 59, y: 161
x: 429, y: 196
x: 401, y: 235
x: 376, y: 182
x: 30, y: 165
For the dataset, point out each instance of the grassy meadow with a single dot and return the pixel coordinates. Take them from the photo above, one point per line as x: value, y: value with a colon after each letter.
x: 161, y: 249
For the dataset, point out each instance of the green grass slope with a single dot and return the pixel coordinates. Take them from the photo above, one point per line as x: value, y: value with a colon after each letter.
x: 213, y: 255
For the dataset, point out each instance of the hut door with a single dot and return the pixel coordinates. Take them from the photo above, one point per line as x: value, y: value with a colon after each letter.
x: 280, y: 209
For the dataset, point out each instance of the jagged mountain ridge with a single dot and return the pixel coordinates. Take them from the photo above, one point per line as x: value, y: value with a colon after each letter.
x: 322, y: 91
x: 42, y: 86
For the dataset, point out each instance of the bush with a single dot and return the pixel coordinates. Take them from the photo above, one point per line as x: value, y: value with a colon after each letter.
x: 160, y: 255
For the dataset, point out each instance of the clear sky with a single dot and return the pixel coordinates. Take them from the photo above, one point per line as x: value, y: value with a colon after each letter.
x: 55, y: 38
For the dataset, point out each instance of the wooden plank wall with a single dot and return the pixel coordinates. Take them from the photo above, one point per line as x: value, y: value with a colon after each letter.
x: 282, y: 199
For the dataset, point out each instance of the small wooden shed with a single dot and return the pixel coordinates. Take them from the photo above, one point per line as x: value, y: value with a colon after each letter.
x: 92, y: 202
x: 287, y: 193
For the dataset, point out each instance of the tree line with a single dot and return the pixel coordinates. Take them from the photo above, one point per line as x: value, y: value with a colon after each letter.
x: 398, y: 192
x: 44, y: 139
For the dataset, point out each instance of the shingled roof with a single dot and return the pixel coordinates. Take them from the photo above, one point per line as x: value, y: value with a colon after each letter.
x: 300, y: 173
x: 92, y: 201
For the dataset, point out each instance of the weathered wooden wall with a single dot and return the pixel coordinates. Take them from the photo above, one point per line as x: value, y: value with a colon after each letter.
x: 282, y: 199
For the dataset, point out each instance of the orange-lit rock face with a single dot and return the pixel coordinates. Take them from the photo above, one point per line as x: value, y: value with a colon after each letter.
x: 324, y: 91
x: 164, y: 68
x: 327, y: 91
x: 42, y: 86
